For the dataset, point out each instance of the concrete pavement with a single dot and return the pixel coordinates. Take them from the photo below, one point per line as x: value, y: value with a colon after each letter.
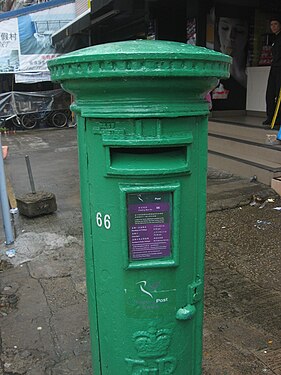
x: 43, y: 303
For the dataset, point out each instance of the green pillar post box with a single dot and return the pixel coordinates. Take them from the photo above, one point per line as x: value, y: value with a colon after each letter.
x: 142, y: 140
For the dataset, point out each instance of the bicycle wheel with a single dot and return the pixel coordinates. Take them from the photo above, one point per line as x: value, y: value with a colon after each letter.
x: 59, y: 119
x: 16, y: 121
x: 29, y: 121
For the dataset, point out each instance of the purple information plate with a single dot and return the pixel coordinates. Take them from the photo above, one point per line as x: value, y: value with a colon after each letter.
x: 149, y: 225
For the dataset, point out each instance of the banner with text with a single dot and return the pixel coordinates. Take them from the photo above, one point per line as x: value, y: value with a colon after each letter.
x: 9, y: 46
x: 26, y: 43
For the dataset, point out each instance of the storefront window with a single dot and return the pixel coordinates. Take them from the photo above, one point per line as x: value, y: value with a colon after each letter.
x: 191, y: 31
x: 231, y: 37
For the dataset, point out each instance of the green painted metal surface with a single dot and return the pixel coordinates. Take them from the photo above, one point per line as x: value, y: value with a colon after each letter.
x: 142, y: 137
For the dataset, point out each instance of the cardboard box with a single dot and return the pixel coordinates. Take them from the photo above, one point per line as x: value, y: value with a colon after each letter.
x: 276, y: 184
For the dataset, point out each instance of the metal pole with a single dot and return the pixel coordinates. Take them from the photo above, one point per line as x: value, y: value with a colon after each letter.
x: 30, y: 174
x: 4, y: 202
x: 276, y: 110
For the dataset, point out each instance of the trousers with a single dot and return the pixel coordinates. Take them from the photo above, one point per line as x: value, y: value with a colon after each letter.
x: 272, y: 91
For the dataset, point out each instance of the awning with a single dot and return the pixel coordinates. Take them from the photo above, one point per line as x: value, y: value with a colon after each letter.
x: 101, y: 10
x: 79, y: 23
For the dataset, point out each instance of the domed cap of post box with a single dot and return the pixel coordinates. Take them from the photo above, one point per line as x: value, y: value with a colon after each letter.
x: 140, y: 58
x: 134, y: 70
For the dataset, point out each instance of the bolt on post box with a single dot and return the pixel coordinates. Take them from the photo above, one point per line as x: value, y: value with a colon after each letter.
x: 142, y: 142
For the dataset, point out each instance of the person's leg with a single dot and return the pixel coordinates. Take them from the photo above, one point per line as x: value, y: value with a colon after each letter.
x: 278, y: 86
x: 270, y: 96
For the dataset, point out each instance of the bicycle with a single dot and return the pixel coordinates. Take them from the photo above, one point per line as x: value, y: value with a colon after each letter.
x: 56, y: 118
x: 5, y: 121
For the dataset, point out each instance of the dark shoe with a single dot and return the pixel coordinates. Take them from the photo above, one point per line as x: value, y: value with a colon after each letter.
x: 275, y: 127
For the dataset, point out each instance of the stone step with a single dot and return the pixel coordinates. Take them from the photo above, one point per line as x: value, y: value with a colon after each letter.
x: 238, y: 131
x: 244, y: 148
x: 244, y: 168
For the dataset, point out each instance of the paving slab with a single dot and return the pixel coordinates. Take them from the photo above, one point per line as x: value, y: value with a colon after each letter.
x: 44, y: 328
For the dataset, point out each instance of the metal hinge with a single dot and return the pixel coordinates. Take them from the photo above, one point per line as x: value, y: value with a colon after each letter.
x: 195, y: 291
x: 194, y: 294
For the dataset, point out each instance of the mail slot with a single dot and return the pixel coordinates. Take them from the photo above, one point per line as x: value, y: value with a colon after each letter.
x: 148, y: 161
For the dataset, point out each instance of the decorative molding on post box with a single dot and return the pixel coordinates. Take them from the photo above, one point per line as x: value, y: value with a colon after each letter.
x: 116, y: 78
